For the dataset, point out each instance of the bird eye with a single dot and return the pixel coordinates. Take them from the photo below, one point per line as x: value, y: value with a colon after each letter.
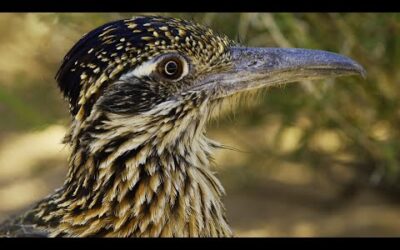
x: 171, y: 68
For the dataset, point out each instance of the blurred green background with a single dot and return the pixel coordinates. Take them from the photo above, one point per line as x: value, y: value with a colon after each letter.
x: 317, y: 158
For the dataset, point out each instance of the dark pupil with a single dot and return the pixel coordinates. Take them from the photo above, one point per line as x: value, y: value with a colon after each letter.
x: 171, y: 68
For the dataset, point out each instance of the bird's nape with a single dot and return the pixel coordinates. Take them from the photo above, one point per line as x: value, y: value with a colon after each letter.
x: 140, y: 92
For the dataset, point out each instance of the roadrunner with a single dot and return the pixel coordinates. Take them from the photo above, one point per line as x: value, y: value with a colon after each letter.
x: 140, y: 93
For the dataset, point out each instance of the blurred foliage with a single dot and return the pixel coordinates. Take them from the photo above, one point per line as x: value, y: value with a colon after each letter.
x: 348, y: 124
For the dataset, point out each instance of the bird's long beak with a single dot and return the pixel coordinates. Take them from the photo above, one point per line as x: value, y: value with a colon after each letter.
x: 261, y: 67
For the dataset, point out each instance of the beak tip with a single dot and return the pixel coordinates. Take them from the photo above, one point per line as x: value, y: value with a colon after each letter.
x: 346, y: 63
x: 360, y: 70
x: 363, y: 73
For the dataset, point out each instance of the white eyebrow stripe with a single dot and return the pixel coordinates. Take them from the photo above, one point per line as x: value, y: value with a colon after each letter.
x: 144, y: 69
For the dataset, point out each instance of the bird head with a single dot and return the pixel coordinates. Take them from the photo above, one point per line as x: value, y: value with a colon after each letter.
x: 164, y: 76
x: 140, y: 92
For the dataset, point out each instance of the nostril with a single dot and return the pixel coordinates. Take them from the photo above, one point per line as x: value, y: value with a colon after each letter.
x: 252, y: 63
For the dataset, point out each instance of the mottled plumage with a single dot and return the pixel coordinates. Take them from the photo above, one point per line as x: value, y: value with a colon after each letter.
x: 140, y: 92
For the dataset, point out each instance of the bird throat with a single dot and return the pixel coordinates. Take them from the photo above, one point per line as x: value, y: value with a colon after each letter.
x: 130, y: 182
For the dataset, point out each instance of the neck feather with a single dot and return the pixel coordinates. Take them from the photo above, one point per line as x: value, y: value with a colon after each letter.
x: 147, y: 176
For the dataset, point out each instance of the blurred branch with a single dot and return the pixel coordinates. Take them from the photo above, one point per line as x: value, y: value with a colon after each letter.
x: 268, y: 21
